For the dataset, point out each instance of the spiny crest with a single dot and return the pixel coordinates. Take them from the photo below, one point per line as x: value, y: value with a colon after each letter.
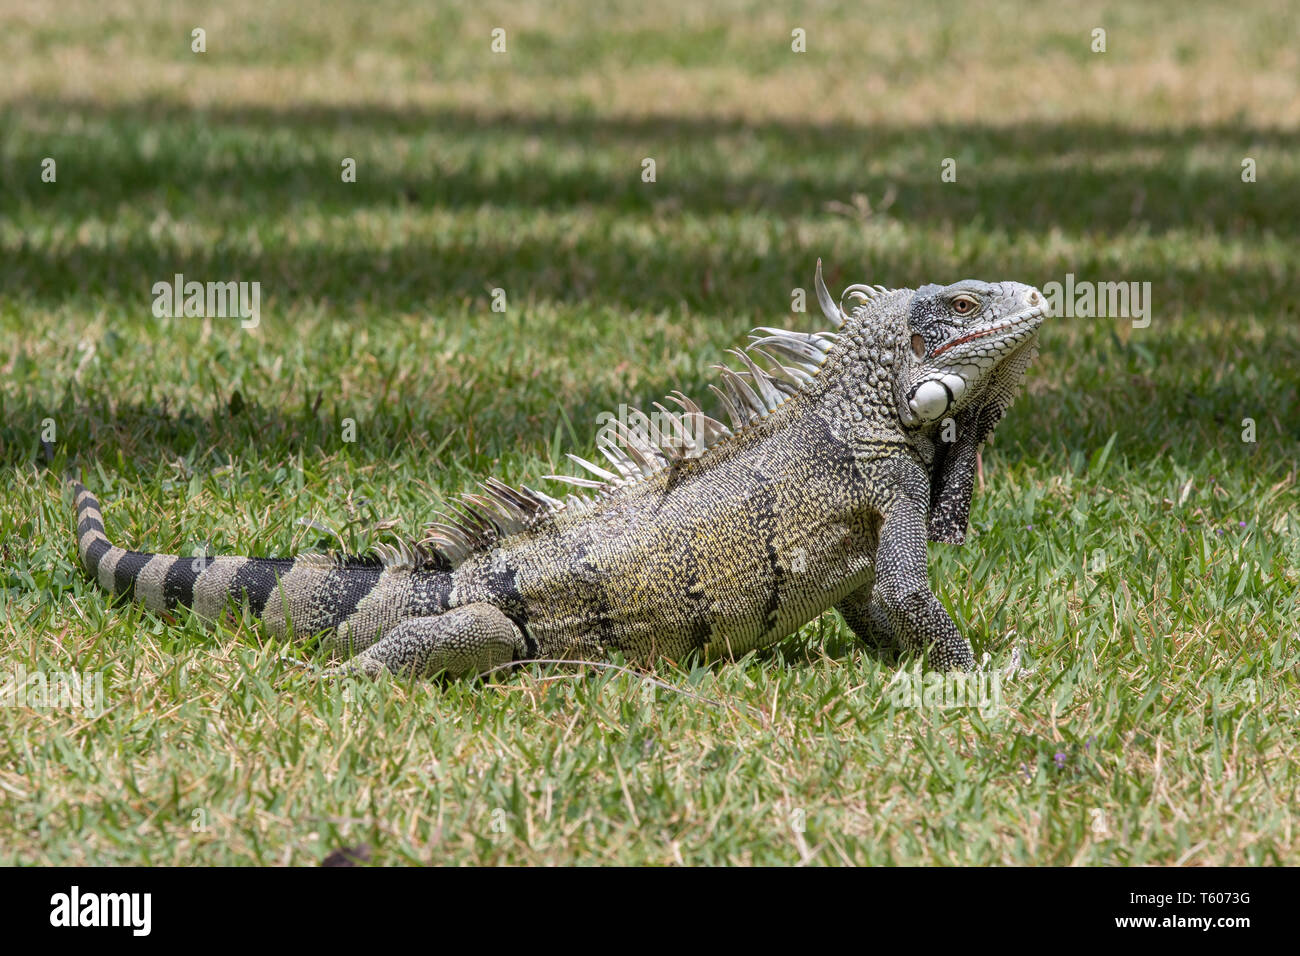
x: 639, y: 446
x: 859, y: 294
x: 479, y: 520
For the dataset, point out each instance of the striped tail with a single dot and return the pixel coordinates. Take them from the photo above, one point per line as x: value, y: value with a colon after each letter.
x: 354, y: 599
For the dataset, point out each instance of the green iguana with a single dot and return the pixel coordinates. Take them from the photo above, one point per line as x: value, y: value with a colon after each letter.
x: 847, y: 451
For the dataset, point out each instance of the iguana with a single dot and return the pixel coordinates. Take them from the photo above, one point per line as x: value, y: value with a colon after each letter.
x: 846, y: 451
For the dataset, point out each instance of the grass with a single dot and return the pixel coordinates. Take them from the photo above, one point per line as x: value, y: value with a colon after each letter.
x: 1139, y: 551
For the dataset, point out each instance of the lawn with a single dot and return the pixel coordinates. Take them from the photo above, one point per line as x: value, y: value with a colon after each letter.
x: 1137, y: 550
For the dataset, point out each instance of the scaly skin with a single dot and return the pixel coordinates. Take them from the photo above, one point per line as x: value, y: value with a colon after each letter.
x: 824, y: 496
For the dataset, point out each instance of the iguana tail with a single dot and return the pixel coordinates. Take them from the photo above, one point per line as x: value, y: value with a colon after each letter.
x: 356, y: 599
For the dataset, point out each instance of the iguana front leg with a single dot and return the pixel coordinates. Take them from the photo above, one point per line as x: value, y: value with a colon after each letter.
x: 919, y: 621
x: 463, y: 642
x: 867, y: 618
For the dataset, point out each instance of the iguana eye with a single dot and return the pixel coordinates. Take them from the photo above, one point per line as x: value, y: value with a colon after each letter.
x: 918, y: 346
x: 964, y: 304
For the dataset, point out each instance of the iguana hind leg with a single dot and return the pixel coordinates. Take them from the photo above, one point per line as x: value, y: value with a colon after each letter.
x: 463, y: 642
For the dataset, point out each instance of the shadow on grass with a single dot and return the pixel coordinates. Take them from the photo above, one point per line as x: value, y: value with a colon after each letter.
x: 1023, y: 180
x: 253, y: 168
x: 1076, y: 176
x: 1151, y: 403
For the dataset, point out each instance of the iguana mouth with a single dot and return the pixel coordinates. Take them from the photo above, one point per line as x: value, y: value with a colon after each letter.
x: 1017, y: 320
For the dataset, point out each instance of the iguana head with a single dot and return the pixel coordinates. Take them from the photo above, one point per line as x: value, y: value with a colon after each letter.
x: 967, y: 342
x: 967, y: 348
x: 956, y: 356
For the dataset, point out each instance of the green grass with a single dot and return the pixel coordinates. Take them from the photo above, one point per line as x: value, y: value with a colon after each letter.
x: 1140, y: 553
